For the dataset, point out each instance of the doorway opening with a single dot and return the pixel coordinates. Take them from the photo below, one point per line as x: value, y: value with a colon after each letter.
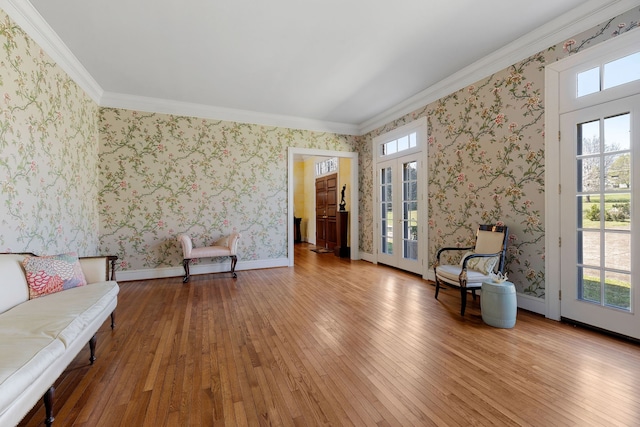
x: 295, y: 154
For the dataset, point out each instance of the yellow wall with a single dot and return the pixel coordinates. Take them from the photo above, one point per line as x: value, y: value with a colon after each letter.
x: 308, y: 221
x: 298, y: 189
x: 304, y: 193
x: 344, y: 178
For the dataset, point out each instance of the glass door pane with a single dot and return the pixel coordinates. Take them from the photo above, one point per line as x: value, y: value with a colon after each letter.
x: 386, y: 210
x: 603, y: 233
x: 410, y: 210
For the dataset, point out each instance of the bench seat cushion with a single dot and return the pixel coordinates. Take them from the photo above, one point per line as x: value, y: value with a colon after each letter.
x: 210, y: 252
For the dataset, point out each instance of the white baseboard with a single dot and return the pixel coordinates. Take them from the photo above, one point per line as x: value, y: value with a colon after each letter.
x: 431, y: 275
x: 528, y: 302
x: 160, y: 273
x: 365, y: 256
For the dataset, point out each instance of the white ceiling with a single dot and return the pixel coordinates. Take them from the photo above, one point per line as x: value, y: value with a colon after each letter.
x: 346, y: 62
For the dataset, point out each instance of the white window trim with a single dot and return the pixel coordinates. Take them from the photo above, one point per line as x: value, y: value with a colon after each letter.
x: 419, y: 126
x: 560, y: 97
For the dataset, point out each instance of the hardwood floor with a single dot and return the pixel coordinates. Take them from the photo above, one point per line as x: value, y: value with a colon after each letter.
x: 336, y: 342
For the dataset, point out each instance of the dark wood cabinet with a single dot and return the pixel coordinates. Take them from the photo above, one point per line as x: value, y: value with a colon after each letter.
x: 342, y: 221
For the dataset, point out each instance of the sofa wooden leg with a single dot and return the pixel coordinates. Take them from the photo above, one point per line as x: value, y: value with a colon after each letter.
x: 113, y: 319
x: 185, y: 264
x: 92, y: 347
x: 234, y: 261
x: 48, y: 406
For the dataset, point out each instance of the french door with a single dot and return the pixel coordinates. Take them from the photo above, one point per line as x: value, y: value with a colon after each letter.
x: 600, y: 216
x: 400, y: 213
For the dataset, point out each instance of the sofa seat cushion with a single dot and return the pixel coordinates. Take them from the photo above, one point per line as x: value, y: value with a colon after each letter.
x: 24, y: 359
x: 63, y: 315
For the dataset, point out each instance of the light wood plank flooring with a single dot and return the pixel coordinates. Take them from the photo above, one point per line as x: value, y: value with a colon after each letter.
x: 336, y: 342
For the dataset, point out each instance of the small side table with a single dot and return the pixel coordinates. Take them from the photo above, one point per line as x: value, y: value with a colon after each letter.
x: 499, y: 304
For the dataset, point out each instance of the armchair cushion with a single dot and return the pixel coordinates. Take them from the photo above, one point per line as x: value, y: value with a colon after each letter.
x: 451, y: 275
x: 485, y: 265
x: 489, y: 242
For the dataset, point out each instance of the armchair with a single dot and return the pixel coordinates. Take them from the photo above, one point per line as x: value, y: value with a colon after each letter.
x: 223, y: 247
x: 485, y: 257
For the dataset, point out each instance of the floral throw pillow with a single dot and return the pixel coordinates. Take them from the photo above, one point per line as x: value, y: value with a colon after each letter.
x: 53, y: 273
x: 484, y: 265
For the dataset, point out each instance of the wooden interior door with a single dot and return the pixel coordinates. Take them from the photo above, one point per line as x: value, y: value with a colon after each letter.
x: 326, y: 208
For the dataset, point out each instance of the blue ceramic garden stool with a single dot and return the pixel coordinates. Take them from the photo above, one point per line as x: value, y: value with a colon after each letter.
x: 499, y: 304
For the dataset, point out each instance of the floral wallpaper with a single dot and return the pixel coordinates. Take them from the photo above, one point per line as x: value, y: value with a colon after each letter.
x: 48, y: 153
x: 74, y: 176
x: 486, y: 159
x: 162, y: 175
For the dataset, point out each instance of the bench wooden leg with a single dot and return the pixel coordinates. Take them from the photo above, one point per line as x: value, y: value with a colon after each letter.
x: 234, y: 261
x: 92, y: 347
x: 48, y: 406
x: 185, y: 264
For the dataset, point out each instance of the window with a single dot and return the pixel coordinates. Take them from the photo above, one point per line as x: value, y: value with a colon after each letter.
x: 610, y: 74
x: 327, y: 166
x: 403, y: 143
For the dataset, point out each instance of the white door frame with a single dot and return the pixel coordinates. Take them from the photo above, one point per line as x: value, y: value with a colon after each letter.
x: 397, y: 259
x: 354, y: 225
x: 422, y: 153
x: 612, y: 48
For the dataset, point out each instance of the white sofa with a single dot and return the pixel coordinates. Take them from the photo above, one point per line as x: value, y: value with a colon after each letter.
x: 40, y: 337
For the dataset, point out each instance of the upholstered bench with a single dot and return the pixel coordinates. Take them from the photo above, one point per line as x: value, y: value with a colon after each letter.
x: 226, y: 246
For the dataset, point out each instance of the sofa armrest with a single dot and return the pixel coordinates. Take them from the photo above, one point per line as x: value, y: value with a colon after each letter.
x: 99, y: 268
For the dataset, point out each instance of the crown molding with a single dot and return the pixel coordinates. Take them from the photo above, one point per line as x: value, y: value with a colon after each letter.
x: 156, y: 105
x: 565, y: 26
x: 29, y: 19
